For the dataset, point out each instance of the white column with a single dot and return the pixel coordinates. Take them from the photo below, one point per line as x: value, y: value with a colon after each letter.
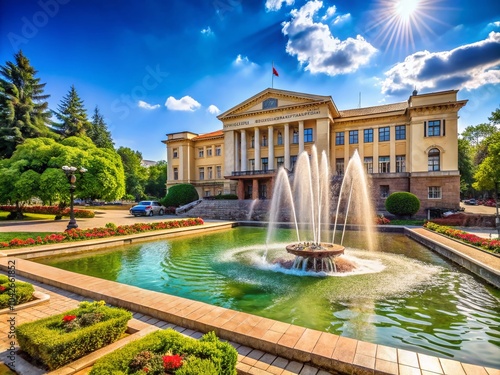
x: 237, y: 162
x: 301, y: 136
x: 287, y: 146
x: 257, y: 148
x: 243, y: 135
x: 270, y: 145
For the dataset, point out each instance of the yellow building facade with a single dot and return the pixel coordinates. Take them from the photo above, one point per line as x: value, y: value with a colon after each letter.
x: 407, y: 146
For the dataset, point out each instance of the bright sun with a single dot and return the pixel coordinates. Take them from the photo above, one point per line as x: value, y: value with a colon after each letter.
x: 405, y: 8
x: 399, y: 22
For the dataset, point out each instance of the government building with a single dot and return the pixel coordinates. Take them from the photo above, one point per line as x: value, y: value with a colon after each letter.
x: 408, y: 146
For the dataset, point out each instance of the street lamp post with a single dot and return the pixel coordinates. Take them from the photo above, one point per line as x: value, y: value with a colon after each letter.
x: 497, y: 218
x: 70, y: 173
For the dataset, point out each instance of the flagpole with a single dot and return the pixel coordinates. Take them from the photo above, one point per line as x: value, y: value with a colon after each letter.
x: 272, y: 76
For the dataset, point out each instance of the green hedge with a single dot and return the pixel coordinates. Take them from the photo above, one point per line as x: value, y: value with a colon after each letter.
x: 14, y: 293
x: 402, y: 203
x: 205, y: 356
x: 48, y: 340
x: 179, y: 195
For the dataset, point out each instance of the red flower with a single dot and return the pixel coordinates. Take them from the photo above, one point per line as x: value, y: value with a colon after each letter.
x: 2, y: 288
x: 172, y: 362
x: 69, y: 318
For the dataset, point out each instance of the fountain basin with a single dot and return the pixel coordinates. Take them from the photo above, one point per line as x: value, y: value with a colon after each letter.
x: 322, y: 250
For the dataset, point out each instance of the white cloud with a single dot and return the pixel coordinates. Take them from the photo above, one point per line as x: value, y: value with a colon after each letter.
x: 212, y: 109
x: 466, y: 67
x: 241, y: 60
x: 274, y: 5
x: 342, y: 19
x: 186, y: 103
x: 320, y: 51
x: 207, y: 32
x: 148, y: 106
x: 329, y: 13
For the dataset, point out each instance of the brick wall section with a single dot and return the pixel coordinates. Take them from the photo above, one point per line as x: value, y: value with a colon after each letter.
x: 450, y: 191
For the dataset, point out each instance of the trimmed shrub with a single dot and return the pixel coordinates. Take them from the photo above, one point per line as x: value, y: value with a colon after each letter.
x: 402, y: 203
x: 226, y: 196
x: 63, y: 338
x: 205, y: 356
x: 14, y: 293
x: 179, y: 195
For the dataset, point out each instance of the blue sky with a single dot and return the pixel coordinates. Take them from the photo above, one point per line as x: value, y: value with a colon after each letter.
x: 157, y: 67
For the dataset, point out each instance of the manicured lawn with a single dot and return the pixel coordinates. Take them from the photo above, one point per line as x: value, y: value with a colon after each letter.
x: 3, y: 216
x: 7, y: 236
x: 408, y: 222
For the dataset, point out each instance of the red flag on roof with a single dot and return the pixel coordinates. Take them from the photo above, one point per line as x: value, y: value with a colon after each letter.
x: 275, y: 72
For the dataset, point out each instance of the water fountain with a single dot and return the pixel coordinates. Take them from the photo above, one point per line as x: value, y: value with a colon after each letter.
x: 306, y: 202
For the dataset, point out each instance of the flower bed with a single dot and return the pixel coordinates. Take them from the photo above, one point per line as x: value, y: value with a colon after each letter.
x: 169, y: 352
x: 51, y: 210
x: 63, y: 338
x: 110, y: 230
x: 484, y: 243
x: 14, y: 293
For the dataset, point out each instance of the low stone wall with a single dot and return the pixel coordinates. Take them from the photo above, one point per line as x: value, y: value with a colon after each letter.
x: 238, y: 210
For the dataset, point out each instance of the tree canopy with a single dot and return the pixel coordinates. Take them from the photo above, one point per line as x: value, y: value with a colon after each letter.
x: 72, y: 116
x: 98, y: 131
x: 135, y: 174
x: 488, y: 172
x: 34, y: 170
x: 23, y: 105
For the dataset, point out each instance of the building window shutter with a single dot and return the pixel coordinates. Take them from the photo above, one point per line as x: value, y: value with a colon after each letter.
x: 425, y: 128
x: 444, y: 128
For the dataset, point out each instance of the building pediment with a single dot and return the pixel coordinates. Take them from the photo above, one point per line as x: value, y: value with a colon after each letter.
x: 272, y: 100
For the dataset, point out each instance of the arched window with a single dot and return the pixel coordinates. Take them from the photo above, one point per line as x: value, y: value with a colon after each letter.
x: 434, y: 157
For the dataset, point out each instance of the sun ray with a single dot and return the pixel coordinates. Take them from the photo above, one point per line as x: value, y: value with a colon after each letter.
x: 398, y: 23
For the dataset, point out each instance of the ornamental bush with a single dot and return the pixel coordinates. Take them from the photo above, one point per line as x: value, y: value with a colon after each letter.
x: 226, y: 196
x: 402, y: 203
x: 14, y: 293
x: 179, y: 195
x: 205, y: 356
x: 57, y: 340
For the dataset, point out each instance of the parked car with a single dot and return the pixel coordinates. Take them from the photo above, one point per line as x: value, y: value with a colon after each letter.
x: 471, y: 201
x: 147, y: 208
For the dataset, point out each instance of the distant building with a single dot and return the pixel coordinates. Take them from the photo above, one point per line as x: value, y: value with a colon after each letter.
x: 148, y: 163
x: 407, y: 146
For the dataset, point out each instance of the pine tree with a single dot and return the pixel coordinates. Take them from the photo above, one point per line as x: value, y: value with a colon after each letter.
x: 99, y: 132
x: 23, y: 106
x: 73, y: 116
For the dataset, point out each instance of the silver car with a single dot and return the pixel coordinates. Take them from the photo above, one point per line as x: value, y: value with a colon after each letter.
x: 147, y: 208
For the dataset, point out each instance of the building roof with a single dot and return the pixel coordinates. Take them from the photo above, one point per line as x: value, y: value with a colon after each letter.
x: 374, y: 110
x: 215, y: 134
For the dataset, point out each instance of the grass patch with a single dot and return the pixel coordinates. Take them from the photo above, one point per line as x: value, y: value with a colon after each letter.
x: 419, y: 222
x: 4, y: 214
x: 7, y: 236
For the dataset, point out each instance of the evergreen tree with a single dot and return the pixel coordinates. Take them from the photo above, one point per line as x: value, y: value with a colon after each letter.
x: 23, y: 106
x: 99, y: 132
x: 72, y: 114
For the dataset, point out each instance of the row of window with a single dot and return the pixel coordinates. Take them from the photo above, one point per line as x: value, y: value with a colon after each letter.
x: 201, y: 171
x: 433, y: 162
x: 383, y: 135
x: 308, y: 138
x: 201, y: 152
x: 433, y: 128
x: 433, y: 192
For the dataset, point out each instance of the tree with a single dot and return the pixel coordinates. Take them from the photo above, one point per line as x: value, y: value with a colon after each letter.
x: 72, y: 114
x: 465, y: 166
x: 135, y: 173
x: 34, y: 170
x: 495, y: 117
x: 475, y: 134
x: 99, y: 132
x: 157, y: 179
x: 488, y: 172
x: 23, y: 106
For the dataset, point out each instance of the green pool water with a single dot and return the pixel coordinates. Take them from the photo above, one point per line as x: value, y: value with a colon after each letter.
x: 402, y: 294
